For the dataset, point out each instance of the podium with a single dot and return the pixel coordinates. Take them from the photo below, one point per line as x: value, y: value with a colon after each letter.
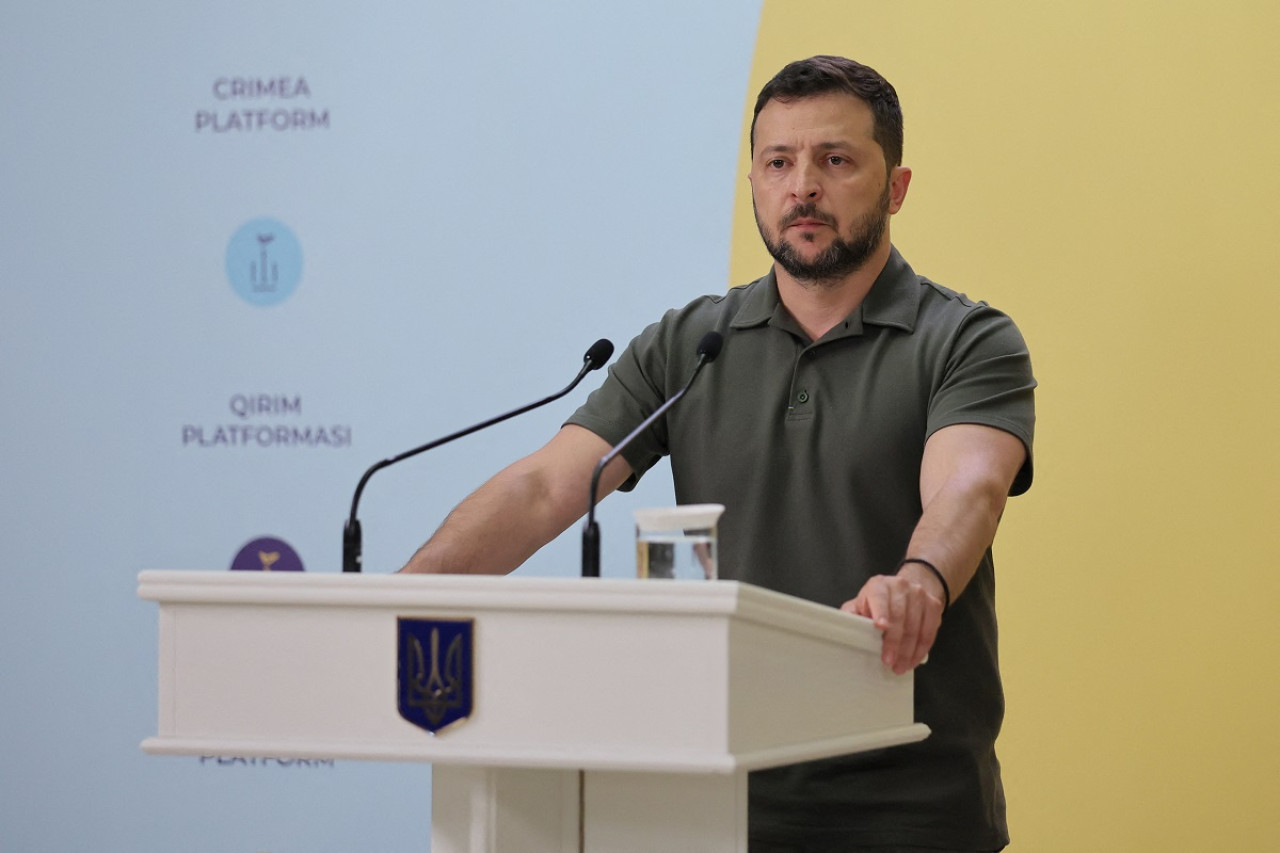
x: 605, y: 715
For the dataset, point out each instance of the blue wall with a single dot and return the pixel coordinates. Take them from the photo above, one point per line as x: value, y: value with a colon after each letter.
x: 477, y: 192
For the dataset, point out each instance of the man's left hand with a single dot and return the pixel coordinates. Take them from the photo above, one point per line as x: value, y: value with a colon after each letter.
x: 907, y: 609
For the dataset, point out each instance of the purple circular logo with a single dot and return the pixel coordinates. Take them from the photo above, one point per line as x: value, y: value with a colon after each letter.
x: 267, y: 555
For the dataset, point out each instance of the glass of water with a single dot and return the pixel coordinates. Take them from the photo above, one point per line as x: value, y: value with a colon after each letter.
x: 677, y: 542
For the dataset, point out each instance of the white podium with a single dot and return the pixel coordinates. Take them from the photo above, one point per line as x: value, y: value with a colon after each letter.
x: 607, y: 715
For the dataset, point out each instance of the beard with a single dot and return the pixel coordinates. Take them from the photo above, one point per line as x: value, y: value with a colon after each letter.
x: 845, y: 255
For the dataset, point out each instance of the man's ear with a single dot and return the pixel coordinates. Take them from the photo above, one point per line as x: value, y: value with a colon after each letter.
x: 899, y: 180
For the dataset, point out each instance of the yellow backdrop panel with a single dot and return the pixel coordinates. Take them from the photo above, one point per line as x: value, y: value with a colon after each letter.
x: 1106, y: 173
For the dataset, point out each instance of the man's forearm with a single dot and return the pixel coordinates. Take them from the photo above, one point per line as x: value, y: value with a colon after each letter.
x: 491, y: 532
x: 955, y: 531
x: 964, y: 487
x: 522, y: 508
x: 964, y: 483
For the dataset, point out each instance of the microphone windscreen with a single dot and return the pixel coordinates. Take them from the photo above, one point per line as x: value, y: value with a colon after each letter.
x: 599, y: 353
x: 709, y: 346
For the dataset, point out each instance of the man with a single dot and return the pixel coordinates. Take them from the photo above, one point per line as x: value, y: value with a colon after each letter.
x: 863, y: 427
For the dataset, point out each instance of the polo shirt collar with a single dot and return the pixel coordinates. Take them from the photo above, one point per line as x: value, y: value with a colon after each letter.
x: 893, y: 300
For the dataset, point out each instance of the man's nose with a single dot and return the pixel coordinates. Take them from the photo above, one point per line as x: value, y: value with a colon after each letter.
x: 806, y: 186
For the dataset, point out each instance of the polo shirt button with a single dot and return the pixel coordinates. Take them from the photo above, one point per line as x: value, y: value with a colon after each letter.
x: 802, y: 397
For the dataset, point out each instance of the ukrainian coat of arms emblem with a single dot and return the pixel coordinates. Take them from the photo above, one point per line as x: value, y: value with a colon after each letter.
x: 436, y: 660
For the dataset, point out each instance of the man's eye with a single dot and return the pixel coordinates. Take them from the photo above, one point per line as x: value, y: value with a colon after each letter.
x: 836, y: 160
x: 776, y: 164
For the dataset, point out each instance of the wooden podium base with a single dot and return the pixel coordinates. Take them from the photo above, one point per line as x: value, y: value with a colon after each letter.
x: 624, y: 812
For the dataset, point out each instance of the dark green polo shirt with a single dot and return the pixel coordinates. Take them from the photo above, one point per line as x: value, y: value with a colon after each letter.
x: 814, y: 448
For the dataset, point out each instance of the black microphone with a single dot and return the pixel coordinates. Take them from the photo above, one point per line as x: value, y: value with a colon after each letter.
x: 596, y: 356
x: 708, y: 349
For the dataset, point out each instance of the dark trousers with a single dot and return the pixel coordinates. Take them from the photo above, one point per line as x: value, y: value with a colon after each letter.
x: 768, y: 847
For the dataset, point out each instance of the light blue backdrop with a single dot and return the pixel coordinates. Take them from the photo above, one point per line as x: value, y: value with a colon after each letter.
x: 478, y: 191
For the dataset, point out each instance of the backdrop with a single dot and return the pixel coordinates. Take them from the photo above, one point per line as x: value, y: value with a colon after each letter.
x: 250, y: 249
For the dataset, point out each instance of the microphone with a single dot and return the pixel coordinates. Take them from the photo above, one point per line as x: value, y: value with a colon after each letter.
x: 595, y: 358
x: 708, y: 349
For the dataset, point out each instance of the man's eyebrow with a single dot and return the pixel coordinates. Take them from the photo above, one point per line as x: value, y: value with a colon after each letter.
x: 782, y: 148
x: 777, y: 148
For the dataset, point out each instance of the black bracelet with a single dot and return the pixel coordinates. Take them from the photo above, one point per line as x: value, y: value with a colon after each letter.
x: 946, y: 590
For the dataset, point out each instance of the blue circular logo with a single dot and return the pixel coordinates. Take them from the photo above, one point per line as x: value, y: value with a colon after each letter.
x: 264, y: 262
x: 267, y: 555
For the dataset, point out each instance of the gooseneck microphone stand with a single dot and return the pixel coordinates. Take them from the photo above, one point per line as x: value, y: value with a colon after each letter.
x: 352, y: 556
x: 708, y: 349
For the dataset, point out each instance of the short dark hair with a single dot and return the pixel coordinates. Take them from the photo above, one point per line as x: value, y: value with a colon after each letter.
x: 820, y: 75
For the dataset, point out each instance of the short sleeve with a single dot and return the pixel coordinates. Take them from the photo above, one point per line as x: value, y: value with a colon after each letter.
x: 634, y: 387
x: 987, y: 379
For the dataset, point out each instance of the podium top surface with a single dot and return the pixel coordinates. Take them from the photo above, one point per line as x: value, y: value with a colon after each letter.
x: 470, y: 593
x: 609, y: 674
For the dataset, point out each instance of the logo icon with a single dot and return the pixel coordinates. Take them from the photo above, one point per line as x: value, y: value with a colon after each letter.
x: 267, y: 555
x: 435, y: 672
x: 264, y: 262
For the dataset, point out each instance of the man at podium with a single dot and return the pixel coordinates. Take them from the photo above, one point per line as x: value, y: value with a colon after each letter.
x: 863, y: 426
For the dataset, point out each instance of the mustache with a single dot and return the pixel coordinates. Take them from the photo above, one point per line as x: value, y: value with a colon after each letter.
x: 809, y: 210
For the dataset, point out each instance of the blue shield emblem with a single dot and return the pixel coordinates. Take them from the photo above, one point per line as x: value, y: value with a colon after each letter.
x: 435, y: 672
